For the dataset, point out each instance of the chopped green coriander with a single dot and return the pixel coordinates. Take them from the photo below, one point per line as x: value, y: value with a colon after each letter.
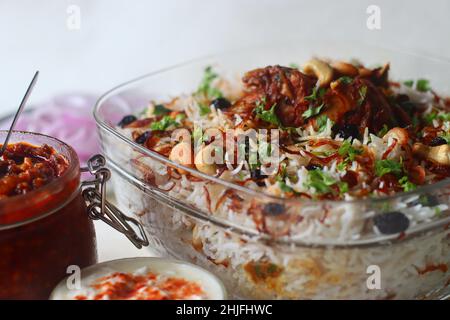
x: 320, y: 181
x: 341, y: 165
x: 406, y: 184
x: 294, y: 65
x: 284, y: 187
x: 383, y: 131
x: 348, y: 151
x: 446, y: 137
x: 444, y: 116
x: 409, y: 83
x: 321, y: 122
x: 160, y: 109
x: 204, y: 109
x: 430, y: 117
x: 423, y: 85
x: 362, y: 94
x: 205, y: 88
x: 345, y: 80
x: 383, y: 167
x: 266, y: 115
x: 312, y: 111
x: 343, y: 187
x: 316, y: 93
x: 197, y: 135
x: 165, y: 123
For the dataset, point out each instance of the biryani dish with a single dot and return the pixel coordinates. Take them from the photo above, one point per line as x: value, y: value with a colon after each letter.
x: 340, y: 155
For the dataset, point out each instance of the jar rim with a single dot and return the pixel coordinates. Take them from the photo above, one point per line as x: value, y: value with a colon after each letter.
x: 71, y: 173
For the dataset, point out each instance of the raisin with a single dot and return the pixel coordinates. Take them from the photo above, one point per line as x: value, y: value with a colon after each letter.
x: 426, y: 200
x: 437, y: 141
x: 143, y: 137
x: 221, y: 103
x: 311, y: 166
x: 126, y: 120
x: 273, y: 209
x: 346, y: 131
x: 391, y: 222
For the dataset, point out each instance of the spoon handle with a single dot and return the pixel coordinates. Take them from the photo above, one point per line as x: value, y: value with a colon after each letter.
x: 19, y: 111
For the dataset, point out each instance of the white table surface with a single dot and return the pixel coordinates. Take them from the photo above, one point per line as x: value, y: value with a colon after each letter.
x: 113, y: 245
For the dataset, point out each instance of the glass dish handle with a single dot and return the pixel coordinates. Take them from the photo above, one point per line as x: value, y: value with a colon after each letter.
x: 94, y: 193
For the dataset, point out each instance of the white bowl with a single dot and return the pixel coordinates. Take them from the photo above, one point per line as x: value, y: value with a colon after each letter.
x: 212, y: 286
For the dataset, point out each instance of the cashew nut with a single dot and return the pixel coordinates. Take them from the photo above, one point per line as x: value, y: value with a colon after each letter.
x: 205, y: 159
x: 196, y: 239
x: 364, y: 72
x: 182, y: 154
x: 438, y: 154
x: 320, y: 69
x: 399, y: 134
x: 345, y: 68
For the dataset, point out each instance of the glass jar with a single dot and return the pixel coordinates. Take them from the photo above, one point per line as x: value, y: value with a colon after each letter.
x: 44, y: 231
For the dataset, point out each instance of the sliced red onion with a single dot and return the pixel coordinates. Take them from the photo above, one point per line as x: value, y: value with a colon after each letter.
x: 66, y: 117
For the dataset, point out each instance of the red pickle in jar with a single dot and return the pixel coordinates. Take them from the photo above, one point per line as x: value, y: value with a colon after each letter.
x: 44, y: 226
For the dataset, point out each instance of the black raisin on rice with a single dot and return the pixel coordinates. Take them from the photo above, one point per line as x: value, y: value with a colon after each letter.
x: 126, y: 120
x: 437, y: 141
x: 257, y: 174
x: 143, y: 137
x: 426, y: 200
x: 391, y: 222
x: 312, y: 166
x: 346, y: 131
x: 221, y: 103
x: 273, y: 209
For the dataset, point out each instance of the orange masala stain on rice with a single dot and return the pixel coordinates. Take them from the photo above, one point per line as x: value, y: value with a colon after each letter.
x: 433, y: 267
x: 262, y: 271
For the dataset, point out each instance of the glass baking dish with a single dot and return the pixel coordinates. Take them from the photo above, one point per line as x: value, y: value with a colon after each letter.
x: 281, y: 261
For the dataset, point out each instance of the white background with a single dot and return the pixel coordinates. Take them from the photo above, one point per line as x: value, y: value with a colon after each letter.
x: 119, y: 40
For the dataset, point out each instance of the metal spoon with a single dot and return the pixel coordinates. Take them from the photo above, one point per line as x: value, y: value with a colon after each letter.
x: 19, y: 111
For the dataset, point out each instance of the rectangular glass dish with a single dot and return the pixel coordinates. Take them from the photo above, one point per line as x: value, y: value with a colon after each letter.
x: 284, y: 261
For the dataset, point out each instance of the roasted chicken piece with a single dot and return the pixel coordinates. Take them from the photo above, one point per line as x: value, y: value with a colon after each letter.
x: 360, y: 102
x: 284, y: 86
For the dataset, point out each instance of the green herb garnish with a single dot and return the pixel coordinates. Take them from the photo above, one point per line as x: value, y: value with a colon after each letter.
x: 312, y: 111
x: 166, y: 122
x: 316, y: 93
x: 348, y: 151
x: 446, y: 137
x: 409, y: 83
x: 322, y: 182
x: 206, y: 91
x: 321, y: 122
x: 266, y: 115
x: 383, y: 131
x: 205, y: 88
x: 362, y: 94
x: 345, y: 80
x: 204, y: 109
x: 406, y: 184
x: 294, y: 65
x: 160, y: 109
x: 383, y: 167
x: 423, y: 85
x: 197, y: 135
x: 435, y: 116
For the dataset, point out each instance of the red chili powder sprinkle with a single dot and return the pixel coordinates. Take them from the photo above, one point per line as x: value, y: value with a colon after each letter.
x: 128, y: 286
